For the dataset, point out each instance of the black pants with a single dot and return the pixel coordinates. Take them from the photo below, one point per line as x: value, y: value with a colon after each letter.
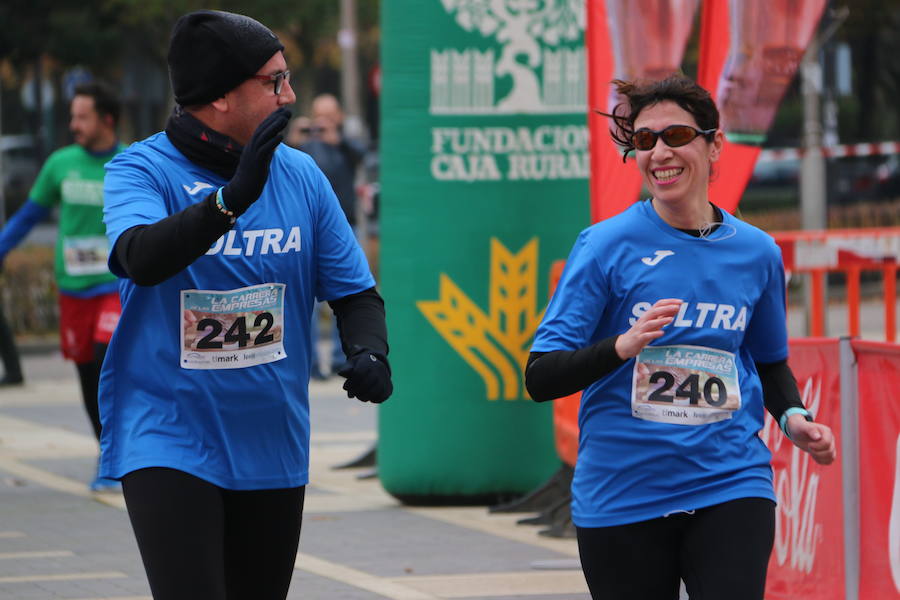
x: 89, y: 377
x: 9, y: 354
x: 720, y: 552
x: 198, y: 540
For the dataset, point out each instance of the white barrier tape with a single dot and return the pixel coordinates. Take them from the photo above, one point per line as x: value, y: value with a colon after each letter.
x: 876, y: 149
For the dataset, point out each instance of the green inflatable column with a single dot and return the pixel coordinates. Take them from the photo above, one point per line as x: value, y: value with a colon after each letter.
x: 484, y: 172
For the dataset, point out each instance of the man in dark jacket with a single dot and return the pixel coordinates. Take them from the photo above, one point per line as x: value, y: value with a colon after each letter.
x: 339, y: 158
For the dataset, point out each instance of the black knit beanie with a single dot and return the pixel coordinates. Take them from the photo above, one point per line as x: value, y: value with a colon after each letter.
x: 212, y: 52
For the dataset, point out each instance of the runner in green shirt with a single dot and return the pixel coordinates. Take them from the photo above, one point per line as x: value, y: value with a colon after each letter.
x: 72, y: 179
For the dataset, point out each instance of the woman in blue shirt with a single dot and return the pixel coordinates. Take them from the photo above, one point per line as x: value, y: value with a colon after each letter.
x: 670, y: 316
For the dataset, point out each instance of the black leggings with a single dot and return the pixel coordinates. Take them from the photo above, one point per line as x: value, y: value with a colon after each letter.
x: 198, y: 540
x: 720, y: 551
x: 89, y: 377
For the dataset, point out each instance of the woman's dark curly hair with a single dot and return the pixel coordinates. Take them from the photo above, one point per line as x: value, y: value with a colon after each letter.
x: 640, y: 94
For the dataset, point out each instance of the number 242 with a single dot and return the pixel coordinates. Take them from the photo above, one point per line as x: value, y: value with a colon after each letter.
x: 236, y: 333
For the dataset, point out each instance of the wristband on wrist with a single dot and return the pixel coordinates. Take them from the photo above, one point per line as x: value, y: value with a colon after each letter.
x: 794, y: 410
x: 220, y: 204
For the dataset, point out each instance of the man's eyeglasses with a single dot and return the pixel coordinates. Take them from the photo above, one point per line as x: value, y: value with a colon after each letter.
x: 279, y: 79
x: 673, y: 136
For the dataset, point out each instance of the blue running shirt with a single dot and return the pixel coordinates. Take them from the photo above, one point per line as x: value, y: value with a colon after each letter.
x: 208, y: 371
x: 676, y: 428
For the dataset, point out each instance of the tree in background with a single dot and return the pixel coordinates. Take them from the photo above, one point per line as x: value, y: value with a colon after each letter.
x: 125, y: 41
x: 871, y: 31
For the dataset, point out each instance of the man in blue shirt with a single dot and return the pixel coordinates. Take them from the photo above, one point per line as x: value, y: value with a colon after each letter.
x: 224, y: 239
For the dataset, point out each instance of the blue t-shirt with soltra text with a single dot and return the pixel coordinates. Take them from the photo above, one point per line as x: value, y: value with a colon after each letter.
x: 676, y: 428
x: 208, y: 371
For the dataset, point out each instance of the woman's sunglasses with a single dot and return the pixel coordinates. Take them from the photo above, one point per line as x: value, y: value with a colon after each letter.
x: 673, y: 136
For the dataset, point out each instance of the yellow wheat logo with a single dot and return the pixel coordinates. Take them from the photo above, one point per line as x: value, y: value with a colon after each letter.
x: 495, y: 345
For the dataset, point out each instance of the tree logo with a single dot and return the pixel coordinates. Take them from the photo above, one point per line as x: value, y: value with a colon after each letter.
x: 538, y: 69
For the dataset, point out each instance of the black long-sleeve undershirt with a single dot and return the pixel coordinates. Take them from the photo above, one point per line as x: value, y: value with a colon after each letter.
x: 150, y: 254
x: 780, y: 391
x: 552, y: 375
x: 361, y: 323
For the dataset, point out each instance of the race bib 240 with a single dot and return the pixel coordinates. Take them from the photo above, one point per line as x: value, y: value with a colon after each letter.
x: 687, y: 385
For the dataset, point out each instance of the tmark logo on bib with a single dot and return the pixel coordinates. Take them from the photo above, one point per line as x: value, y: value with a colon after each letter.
x: 686, y: 385
x: 232, y: 329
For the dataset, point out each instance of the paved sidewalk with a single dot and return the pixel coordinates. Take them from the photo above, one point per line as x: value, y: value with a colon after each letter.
x: 57, y: 540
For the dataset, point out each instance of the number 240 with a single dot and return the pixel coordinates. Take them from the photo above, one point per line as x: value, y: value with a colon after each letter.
x: 689, y: 388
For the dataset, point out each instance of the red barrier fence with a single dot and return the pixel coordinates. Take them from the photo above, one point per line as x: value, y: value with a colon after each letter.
x: 878, y: 376
x: 808, y: 557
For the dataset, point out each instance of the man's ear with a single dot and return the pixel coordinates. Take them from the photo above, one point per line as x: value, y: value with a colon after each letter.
x: 221, y: 104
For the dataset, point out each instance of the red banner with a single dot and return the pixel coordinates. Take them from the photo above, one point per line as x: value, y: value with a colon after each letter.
x: 749, y: 53
x: 614, y: 185
x: 878, y: 377
x: 807, y: 561
x: 766, y: 41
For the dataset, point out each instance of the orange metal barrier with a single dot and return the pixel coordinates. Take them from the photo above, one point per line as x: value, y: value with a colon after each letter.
x: 565, y: 427
x: 565, y: 410
x: 847, y: 251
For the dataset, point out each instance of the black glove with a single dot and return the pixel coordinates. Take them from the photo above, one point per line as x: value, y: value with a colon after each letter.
x: 253, y: 167
x: 368, y: 377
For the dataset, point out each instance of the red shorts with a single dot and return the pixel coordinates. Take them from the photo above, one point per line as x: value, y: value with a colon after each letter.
x: 84, y: 322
